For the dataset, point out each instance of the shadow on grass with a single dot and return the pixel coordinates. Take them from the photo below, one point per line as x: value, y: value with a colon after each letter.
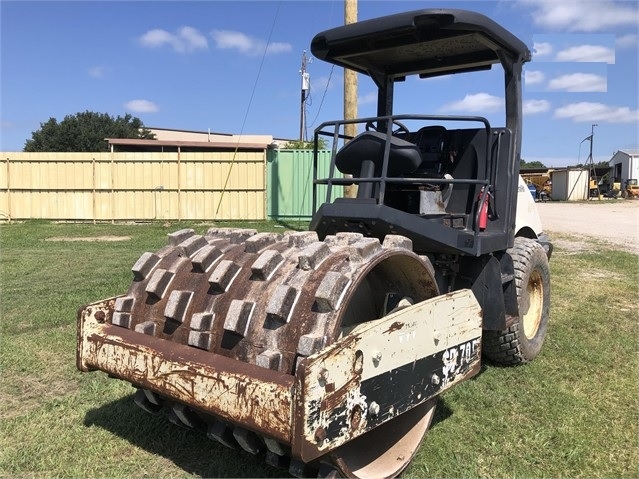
x: 189, y: 449
x: 295, y: 224
x: 442, y: 412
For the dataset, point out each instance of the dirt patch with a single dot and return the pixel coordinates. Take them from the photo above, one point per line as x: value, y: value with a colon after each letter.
x: 598, y: 274
x: 613, y: 221
x: 45, y: 376
x: 568, y: 246
x: 31, y: 393
x: 89, y: 238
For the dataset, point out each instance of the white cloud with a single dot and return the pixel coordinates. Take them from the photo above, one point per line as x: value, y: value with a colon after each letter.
x: 193, y: 39
x: 325, y: 82
x: 141, y: 106
x: 97, y: 72
x: 278, y: 47
x: 532, y: 107
x: 156, y: 38
x: 368, y: 98
x: 473, y: 103
x: 578, y: 82
x: 227, y: 39
x: 588, y: 112
x: 542, y: 49
x: 534, y: 77
x: 627, y: 41
x: 586, y: 53
x: 577, y: 15
x: 234, y: 40
x: 186, y: 40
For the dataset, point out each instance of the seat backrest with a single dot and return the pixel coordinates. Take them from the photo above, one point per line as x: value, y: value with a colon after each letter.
x: 467, y: 151
x: 367, y: 147
x: 432, y: 142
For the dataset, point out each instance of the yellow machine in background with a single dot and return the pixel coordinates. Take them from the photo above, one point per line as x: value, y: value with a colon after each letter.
x: 631, y: 190
x: 542, y: 184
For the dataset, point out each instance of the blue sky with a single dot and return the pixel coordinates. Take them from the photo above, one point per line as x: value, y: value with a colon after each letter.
x: 202, y: 65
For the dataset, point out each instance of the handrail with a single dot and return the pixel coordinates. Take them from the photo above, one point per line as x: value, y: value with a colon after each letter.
x: 332, y: 129
x: 400, y: 181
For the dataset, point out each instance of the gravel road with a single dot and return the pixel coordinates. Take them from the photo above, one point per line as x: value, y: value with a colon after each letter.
x: 614, y: 221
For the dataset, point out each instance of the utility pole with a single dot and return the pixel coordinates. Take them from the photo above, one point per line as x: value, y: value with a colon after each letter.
x: 592, y: 172
x: 350, y: 91
x: 306, y: 81
x: 592, y: 135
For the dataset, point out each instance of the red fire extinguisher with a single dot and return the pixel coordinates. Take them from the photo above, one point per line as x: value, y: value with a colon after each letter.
x: 483, y: 212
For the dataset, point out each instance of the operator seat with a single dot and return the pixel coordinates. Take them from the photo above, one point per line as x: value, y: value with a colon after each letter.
x: 363, y: 157
x: 432, y: 143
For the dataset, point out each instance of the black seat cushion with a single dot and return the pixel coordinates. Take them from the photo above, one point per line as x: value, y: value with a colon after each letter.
x: 369, y: 146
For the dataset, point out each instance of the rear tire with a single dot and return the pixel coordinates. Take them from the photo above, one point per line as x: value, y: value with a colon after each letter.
x: 522, y: 342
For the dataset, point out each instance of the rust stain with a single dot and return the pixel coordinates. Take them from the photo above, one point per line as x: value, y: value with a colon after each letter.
x: 320, y: 434
x: 396, y: 326
x: 356, y: 417
x: 255, y: 396
x: 333, y: 400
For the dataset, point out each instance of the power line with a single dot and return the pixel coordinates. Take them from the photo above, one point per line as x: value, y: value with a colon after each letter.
x: 323, y: 96
x: 248, y: 108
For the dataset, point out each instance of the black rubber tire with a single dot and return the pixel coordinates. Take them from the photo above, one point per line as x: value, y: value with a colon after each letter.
x: 522, y: 342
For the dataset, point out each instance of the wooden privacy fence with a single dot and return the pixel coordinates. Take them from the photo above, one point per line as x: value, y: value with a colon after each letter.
x: 134, y: 186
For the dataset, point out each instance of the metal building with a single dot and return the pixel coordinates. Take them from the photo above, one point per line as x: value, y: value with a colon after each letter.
x: 570, y: 184
x: 624, y: 165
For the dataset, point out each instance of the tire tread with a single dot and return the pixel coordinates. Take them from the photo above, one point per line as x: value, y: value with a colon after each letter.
x: 505, y: 347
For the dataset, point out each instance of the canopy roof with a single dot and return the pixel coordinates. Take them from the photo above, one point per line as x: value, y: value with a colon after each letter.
x: 427, y: 42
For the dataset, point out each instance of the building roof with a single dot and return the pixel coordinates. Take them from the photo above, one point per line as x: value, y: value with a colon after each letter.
x: 630, y: 152
x: 172, y: 140
x: 173, y: 145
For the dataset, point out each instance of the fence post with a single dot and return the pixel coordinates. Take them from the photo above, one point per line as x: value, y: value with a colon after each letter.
x: 93, y: 191
x: 179, y: 190
x: 8, y: 190
x: 112, y: 188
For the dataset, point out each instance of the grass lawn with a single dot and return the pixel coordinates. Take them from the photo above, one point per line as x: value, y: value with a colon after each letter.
x: 574, y: 412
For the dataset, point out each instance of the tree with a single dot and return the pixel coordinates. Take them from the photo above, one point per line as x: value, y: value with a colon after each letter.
x: 527, y: 165
x: 305, y: 145
x: 85, y: 131
x: 599, y: 164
